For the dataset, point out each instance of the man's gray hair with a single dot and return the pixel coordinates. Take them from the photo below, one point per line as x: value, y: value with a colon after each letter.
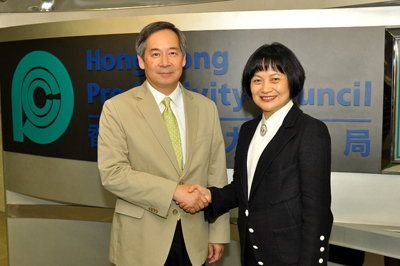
x: 154, y: 27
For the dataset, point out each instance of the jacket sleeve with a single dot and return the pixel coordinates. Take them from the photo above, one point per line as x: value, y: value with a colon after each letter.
x: 150, y: 192
x: 226, y: 198
x: 219, y: 230
x: 223, y: 200
x: 315, y: 168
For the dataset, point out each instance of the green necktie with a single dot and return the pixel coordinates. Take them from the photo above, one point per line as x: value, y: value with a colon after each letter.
x: 173, y: 130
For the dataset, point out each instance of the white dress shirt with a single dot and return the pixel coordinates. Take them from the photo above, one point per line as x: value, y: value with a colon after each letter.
x: 258, y: 142
x: 178, y: 109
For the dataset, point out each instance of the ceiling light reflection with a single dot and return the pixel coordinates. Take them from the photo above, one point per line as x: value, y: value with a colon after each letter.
x: 47, y: 5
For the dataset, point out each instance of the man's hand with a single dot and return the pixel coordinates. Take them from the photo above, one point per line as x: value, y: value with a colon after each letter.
x: 191, y: 201
x: 215, y: 252
x: 204, y: 191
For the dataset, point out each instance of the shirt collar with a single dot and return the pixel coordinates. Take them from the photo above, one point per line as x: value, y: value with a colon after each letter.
x: 276, y: 119
x: 175, y: 96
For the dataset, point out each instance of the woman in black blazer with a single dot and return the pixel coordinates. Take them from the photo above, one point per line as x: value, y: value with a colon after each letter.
x: 281, y: 180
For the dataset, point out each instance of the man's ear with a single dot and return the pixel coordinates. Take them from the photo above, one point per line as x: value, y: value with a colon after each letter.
x: 184, y: 60
x: 140, y: 61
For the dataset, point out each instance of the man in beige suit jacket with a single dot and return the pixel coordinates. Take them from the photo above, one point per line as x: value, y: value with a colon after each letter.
x: 137, y: 162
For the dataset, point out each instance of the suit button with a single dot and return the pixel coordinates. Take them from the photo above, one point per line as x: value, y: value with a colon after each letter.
x: 255, y: 247
x: 322, y: 238
x: 260, y: 263
x: 246, y: 212
x: 174, y: 211
x: 320, y: 261
x: 251, y: 230
x: 181, y: 183
x: 322, y: 249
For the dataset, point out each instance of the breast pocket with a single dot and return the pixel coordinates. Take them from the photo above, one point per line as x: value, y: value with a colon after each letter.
x: 283, y: 185
x: 202, y: 146
x: 203, y: 140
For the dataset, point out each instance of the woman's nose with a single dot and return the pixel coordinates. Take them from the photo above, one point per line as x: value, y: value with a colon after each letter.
x: 265, y: 88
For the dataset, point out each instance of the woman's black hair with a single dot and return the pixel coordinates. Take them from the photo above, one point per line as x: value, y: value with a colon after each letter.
x: 278, y: 57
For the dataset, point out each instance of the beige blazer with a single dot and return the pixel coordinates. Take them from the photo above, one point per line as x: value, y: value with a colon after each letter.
x: 137, y: 163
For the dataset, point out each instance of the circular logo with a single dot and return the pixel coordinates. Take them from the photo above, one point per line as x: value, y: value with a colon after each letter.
x: 42, y: 98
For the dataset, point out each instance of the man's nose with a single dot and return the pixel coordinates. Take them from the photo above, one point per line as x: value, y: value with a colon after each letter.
x: 164, y: 60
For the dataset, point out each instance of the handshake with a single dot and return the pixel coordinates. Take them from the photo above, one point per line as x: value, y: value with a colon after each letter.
x: 192, y: 198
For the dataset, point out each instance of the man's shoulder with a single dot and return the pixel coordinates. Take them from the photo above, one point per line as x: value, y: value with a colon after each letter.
x: 127, y: 95
x: 199, y: 98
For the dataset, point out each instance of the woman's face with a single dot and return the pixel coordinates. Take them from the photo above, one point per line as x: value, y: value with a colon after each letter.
x: 270, y: 90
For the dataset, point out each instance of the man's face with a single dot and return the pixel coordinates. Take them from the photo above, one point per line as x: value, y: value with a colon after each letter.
x: 163, y: 61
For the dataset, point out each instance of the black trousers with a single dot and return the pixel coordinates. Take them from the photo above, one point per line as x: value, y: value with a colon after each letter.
x: 178, y: 255
x: 346, y: 256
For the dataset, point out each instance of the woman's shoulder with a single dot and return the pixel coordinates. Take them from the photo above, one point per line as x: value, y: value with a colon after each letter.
x: 311, y: 123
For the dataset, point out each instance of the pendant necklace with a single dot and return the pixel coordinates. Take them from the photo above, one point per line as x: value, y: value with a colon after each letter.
x: 263, y: 130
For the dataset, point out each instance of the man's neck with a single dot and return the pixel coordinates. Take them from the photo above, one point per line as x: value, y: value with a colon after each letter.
x: 165, y: 90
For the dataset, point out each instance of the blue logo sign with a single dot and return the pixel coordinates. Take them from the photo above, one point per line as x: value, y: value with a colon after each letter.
x: 42, y: 98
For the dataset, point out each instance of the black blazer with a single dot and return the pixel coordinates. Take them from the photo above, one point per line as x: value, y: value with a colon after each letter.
x: 287, y: 216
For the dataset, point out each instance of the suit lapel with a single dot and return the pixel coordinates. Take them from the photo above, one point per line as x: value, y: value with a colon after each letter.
x: 191, y: 121
x: 151, y: 114
x: 247, y: 137
x: 285, y: 133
